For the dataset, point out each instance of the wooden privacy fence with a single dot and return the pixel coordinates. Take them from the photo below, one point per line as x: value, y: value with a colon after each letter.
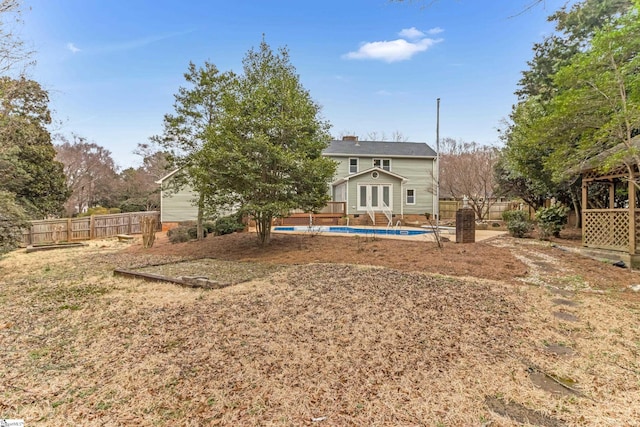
x: 85, y: 228
x: 448, y: 209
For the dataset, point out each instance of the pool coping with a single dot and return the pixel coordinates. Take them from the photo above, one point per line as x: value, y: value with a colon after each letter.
x: 449, y: 232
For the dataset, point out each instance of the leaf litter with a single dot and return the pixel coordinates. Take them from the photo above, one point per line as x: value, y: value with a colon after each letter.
x: 346, y: 343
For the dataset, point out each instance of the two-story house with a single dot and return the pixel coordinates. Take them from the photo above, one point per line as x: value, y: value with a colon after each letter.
x: 374, y: 177
x: 385, y: 181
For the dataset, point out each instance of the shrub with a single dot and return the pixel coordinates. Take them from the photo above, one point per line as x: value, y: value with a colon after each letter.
x: 551, y: 219
x: 209, y: 227
x: 12, y: 220
x: 179, y: 234
x: 192, y: 231
x: 133, y: 205
x: 227, y: 225
x: 518, y: 223
x: 99, y: 210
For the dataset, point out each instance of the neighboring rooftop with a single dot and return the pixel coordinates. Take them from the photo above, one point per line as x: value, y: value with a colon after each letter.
x: 350, y: 146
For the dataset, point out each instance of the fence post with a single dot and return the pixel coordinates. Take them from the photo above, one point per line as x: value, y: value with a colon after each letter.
x: 69, y: 235
x: 129, y: 228
x: 92, y: 231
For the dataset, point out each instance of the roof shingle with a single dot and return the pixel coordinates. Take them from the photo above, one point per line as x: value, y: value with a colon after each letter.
x: 379, y: 148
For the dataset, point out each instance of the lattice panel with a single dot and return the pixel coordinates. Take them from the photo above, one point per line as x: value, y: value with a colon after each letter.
x: 620, y: 171
x: 607, y: 229
x: 637, y: 229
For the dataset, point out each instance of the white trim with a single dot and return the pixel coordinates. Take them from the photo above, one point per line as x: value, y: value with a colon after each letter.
x: 360, y: 207
x: 390, y: 156
x: 357, y: 159
x: 169, y: 175
x: 381, y: 159
x: 161, y: 202
x: 401, y: 204
x: 406, y: 196
x: 382, y: 171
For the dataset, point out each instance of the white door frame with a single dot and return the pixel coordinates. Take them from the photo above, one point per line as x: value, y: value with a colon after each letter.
x: 369, y: 194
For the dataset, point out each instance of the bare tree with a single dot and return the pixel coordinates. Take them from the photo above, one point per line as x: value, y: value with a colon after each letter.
x: 12, y: 49
x: 376, y: 136
x: 397, y: 136
x: 91, y: 173
x: 466, y: 169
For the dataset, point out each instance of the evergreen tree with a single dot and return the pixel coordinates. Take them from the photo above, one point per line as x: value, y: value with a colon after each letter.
x: 27, y: 159
x: 267, y: 150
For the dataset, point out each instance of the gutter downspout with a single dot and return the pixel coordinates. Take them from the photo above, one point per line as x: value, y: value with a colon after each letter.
x: 402, y: 199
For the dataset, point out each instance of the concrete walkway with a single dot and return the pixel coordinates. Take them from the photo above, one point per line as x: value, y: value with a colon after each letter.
x: 450, y: 234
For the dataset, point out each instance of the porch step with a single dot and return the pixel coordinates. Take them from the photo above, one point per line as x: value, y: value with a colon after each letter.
x: 381, y: 219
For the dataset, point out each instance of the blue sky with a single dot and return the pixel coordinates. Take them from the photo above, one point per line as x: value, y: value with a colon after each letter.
x: 112, y: 67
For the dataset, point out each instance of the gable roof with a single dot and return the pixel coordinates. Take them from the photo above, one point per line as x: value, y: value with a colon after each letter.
x: 597, y: 160
x: 341, y: 148
x: 382, y: 171
x: 167, y: 176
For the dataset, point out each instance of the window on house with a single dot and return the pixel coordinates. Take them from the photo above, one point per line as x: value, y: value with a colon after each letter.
x: 353, y: 165
x: 382, y: 164
x: 411, y: 196
x: 362, y: 199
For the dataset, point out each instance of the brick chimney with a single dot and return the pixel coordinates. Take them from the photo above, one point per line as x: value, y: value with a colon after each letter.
x: 350, y: 138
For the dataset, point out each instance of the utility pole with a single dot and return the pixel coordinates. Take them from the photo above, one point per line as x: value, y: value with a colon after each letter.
x: 437, y: 204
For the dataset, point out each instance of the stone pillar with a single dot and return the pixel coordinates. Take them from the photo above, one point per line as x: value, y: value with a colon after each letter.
x: 465, y: 226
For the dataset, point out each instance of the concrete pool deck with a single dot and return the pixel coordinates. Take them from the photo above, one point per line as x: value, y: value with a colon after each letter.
x: 480, y: 235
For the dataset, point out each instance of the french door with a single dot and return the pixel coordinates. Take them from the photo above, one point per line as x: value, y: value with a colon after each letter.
x: 374, y: 195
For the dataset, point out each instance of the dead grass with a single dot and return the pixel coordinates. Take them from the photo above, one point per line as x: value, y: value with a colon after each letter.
x: 358, y: 344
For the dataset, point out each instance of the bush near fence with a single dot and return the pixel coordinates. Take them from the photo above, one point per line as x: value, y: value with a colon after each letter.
x: 85, y: 228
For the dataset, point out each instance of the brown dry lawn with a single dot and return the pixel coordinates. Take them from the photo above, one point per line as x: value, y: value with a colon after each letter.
x: 325, y: 331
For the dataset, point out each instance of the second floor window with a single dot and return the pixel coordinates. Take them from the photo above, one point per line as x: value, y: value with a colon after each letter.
x: 382, y: 164
x: 353, y: 165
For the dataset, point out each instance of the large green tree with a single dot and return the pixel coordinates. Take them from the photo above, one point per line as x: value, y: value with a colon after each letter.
x: 598, y: 104
x: 543, y: 134
x: 27, y: 159
x: 267, y: 150
x: 196, y: 119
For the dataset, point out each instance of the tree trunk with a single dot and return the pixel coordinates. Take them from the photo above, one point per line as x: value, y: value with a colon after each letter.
x: 148, y: 225
x: 199, y: 227
x: 263, y: 227
x: 576, y: 210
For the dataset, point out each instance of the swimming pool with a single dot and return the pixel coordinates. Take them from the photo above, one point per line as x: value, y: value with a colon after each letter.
x: 351, y: 230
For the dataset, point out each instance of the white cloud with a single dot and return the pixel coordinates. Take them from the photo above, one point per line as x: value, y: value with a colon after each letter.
x: 391, y: 51
x: 73, y: 48
x: 411, y: 33
x: 436, y: 30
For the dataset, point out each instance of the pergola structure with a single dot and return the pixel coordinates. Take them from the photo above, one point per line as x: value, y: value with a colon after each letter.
x: 610, y: 209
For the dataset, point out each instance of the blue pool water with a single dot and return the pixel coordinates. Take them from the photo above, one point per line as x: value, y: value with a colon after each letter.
x: 351, y: 230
